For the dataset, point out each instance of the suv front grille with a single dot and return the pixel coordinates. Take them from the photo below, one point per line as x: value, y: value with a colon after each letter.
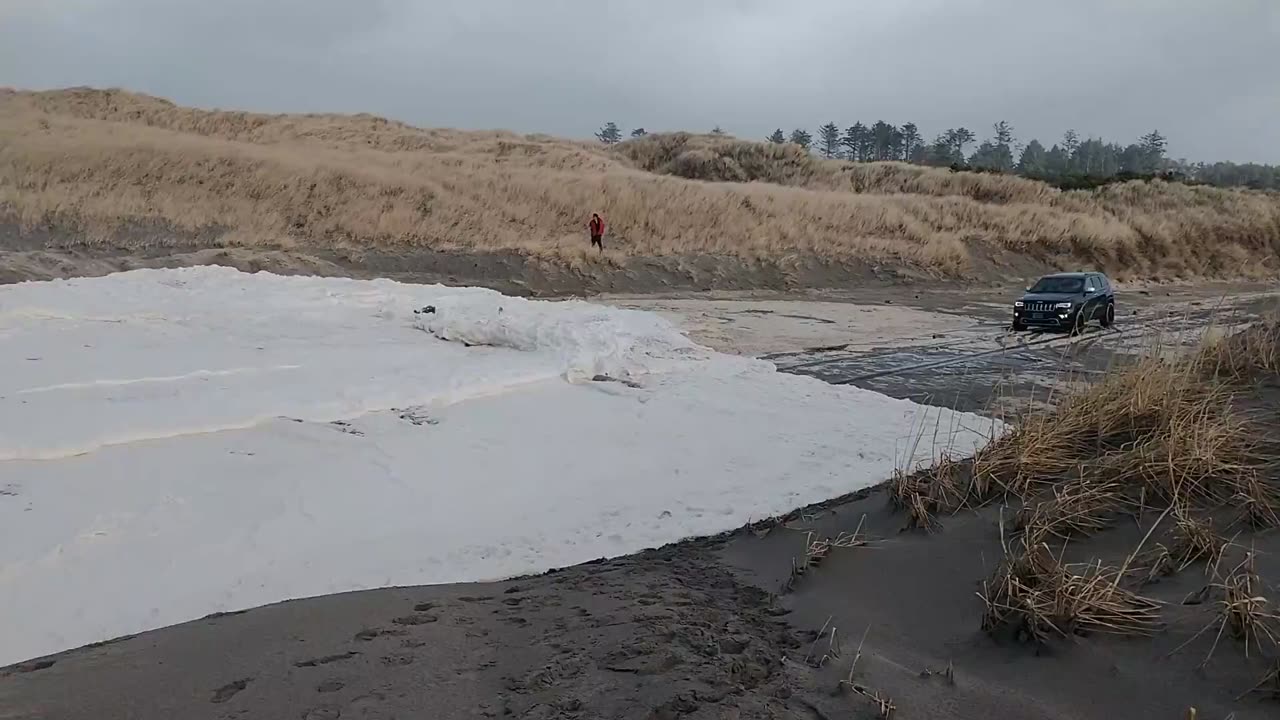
x: 1039, y: 307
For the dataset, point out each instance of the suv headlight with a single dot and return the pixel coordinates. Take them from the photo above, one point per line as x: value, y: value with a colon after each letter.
x: 1017, y: 303
x: 1063, y: 306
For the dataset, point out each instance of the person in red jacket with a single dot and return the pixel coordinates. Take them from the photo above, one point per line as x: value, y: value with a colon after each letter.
x: 597, y: 231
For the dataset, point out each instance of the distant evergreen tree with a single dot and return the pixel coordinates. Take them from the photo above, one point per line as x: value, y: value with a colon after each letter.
x: 943, y: 150
x: 887, y: 141
x: 1152, y: 147
x: 1070, y: 144
x: 1034, y: 161
x: 911, y: 141
x: 1133, y: 160
x: 960, y: 137
x: 856, y: 140
x: 986, y: 156
x: 1091, y: 159
x: 829, y: 140
x: 921, y: 154
x: 1250, y: 175
x: 1003, y: 133
x: 996, y: 153
x: 1057, y: 162
x: 1070, y: 164
x: 609, y: 134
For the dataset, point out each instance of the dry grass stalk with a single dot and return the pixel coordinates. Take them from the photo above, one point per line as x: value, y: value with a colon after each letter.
x: 1156, y: 563
x: 982, y: 473
x: 1128, y: 407
x: 1094, y: 602
x: 1028, y: 458
x: 884, y: 705
x: 1069, y: 601
x: 1259, y: 501
x: 1159, y: 432
x: 848, y: 682
x: 105, y: 161
x: 816, y: 638
x: 1246, y: 355
x: 1074, y: 508
x: 1244, y: 612
x: 1247, y: 612
x: 943, y: 481
x: 854, y: 539
x: 1268, y: 686
x: 1035, y: 594
x: 1194, y: 540
x: 814, y: 553
x: 914, y: 494
x: 833, y: 646
x: 816, y: 550
x: 948, y: 674
x: 921, y: 513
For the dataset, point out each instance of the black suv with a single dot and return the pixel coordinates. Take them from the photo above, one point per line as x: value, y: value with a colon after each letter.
x: 1066, y: 301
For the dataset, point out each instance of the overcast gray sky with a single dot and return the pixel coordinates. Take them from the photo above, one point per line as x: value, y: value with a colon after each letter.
x: 1205, y: 72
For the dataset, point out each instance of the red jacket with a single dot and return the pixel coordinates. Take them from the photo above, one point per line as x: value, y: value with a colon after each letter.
x: 597, y: 226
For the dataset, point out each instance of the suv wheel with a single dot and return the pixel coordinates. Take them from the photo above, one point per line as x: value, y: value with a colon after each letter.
x: 1109, y: 316
x: 1018, y: 327
x: 1078, y: 326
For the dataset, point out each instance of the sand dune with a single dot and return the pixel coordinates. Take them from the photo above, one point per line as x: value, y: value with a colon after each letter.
x: 93, y: 168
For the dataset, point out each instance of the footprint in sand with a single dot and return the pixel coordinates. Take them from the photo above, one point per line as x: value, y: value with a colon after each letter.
x: 372, y: 633
x: 228, y: 691
x: 325, y: 660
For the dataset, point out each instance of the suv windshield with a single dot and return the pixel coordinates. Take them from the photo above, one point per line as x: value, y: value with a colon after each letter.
x: 1058, y: 285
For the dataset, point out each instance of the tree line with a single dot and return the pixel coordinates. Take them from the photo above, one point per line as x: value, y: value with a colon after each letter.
x: 1072, y: 162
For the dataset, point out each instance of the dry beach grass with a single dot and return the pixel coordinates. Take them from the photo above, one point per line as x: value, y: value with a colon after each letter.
x: 1184, y: 449
x: 92, y: 163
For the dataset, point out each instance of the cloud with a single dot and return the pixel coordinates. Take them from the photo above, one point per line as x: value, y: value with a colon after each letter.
x: 1201, y: 72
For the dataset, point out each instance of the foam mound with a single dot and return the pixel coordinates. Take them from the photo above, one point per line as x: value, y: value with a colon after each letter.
x: 182, y: 442
x: 587, y: 340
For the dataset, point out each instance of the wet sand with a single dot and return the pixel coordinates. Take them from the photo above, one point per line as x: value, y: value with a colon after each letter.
x: 984, y: 367
x: 942, y: 345
x: 768, y: 327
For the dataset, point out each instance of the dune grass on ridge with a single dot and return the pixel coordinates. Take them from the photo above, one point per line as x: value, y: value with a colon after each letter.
x: 97, y: 161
